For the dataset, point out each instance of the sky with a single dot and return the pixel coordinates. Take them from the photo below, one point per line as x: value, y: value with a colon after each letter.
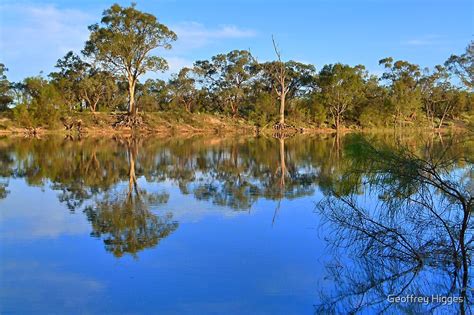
x: 35, y: 34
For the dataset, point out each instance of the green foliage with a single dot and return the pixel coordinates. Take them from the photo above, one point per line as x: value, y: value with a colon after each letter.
x: 463, y: 66
x: 227, y: 77
x: 309, y: 109
x: 5, y: 98
x: 43, y: 104
x: 318, y: 113
x: 342, y: 87
x: 124, y: 42
x: 265, y: 110
x: 72, y: 71
x: 24, y: 117
x: 152, y: 96
x: 183, y: 91
x: 375, y: 115
x: 317, y: 110
x: 404, y: 90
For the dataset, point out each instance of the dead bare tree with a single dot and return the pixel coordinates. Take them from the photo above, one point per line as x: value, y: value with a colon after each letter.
x: 280, y: 74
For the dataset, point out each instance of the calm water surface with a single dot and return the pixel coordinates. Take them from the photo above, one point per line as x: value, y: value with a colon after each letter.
x: 210, y: 225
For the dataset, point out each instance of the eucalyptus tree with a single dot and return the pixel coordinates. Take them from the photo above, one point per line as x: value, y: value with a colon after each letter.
x: 153, y: 95
x: 82, y: 83
x: 123, y: 44
x: 374, y: 109
x: 95, y: 87
x: 5, y: 97
x: 341, y: 87
x: 41, y: 103
x: 227, y: 77
x: 183, y: 89
x: 71, y: 71
x: 438, y: 95
x: 463, y: 66
x: 403, y: 81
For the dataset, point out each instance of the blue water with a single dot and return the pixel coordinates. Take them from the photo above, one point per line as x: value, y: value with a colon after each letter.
x: 268, y: 258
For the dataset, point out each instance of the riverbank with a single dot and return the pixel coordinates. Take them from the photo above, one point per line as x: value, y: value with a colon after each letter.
x: 156, y: 123
x: 172, y: 123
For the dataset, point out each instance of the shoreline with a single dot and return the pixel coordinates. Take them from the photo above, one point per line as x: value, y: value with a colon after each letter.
x: 169, y: 124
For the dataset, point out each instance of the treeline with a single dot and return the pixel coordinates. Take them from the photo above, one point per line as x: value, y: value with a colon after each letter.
x: 105, y: 77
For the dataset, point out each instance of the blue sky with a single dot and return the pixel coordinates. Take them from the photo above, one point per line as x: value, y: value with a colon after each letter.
x: 34, y: 34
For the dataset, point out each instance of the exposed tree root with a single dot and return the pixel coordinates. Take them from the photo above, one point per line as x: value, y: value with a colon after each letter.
x: 283, y: 131
x: 31, y: 132
x: 129, y: 121
x: 72, y: 124
x: 282, y: 126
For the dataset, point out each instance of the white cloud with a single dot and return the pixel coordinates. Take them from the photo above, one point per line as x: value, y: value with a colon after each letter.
x: 417, y: 42
x: 196, y: 35
x: 177, y: 63
x: 47, y: 286
x: 428, y: 40
x: 40, y: 35
x: 41, y: 215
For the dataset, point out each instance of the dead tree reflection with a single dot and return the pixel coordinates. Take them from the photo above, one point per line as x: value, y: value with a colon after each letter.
x: 283, y: 174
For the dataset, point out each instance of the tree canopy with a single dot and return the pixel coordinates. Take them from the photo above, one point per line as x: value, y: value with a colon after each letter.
x: 123, y: 43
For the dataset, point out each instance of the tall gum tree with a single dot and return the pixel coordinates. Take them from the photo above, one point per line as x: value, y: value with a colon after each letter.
x: 123, y: 43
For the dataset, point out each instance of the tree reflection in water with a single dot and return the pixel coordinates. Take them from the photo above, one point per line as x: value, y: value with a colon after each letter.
x: 123, y: 219
x: 416, y: 240
x: 6, y: 163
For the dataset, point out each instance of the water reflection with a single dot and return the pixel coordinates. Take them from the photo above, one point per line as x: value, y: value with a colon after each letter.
x: 6, y: 162
x: 398, y: 219
x: 413, y: 238
x: 123, y: 219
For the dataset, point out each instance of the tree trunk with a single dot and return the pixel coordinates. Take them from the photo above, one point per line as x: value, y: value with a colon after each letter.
x: 282, y: 107
x: 132, y: 108
x: 93, y: 106
x: 132, y: 178
x: 282, y: 164
x: 234, y: 108
x: 445, y: 112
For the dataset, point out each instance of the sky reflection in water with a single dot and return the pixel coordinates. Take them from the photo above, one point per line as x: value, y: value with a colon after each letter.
x: 197, y: 225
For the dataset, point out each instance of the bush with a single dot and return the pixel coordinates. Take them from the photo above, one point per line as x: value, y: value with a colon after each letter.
x: 43, y: 106
x: 24, y: 117
x: 265, y: 110
x: 318, y: 113
x: 375, y: 116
